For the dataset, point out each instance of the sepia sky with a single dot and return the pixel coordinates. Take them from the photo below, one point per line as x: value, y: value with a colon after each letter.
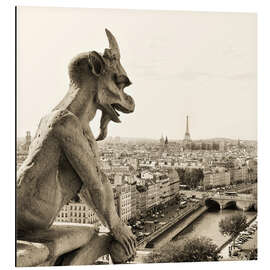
x: 199, y: 64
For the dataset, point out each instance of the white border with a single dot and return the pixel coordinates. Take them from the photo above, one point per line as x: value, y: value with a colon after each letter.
x: 8, y: 114
x: 191, y: 5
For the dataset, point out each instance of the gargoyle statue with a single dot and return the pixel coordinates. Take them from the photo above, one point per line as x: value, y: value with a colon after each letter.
x: 63, y: 158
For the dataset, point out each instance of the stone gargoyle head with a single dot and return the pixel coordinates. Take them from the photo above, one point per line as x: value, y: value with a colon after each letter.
x: 106, y: 79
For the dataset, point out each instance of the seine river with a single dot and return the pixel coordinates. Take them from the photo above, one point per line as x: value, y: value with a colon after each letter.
x: 206, y: 225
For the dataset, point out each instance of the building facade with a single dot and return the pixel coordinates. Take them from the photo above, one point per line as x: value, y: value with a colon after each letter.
x: 124, y: 204
x: 77, y: 213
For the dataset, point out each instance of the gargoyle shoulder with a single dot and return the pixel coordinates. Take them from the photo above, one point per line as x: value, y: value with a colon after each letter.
x: 64, y: 122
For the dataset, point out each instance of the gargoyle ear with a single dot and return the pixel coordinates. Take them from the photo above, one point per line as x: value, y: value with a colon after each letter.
x: 96, y: 63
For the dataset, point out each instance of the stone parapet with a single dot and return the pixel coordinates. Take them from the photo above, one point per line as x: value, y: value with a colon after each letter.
x: 62, y: 244
x: 31, y: 254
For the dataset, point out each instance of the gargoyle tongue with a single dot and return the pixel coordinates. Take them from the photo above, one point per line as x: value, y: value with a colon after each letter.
x: 105, y: 119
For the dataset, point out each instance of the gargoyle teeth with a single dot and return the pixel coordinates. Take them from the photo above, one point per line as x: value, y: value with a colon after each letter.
x: 115, y: 110
x: 113, y: 113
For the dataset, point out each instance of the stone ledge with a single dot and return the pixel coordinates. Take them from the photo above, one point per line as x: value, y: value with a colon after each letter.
x: 31, y: 254
x: 82, y: 244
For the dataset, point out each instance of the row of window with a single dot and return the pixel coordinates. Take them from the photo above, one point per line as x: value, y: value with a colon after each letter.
x: 125, y: 211
x: 76, y: 207
x: 125, y: 196
x: 71, y: 214
x: 124, y: 204
x: 75, y: 220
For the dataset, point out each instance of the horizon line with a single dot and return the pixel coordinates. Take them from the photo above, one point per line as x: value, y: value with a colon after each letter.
x: 170, y: 139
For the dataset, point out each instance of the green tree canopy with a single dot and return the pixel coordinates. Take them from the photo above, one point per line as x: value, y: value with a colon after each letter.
x: 190, y: 177
x: 253, y: 254
x: 233, y: 225
x: 181, y: 173
x: 193, y: 250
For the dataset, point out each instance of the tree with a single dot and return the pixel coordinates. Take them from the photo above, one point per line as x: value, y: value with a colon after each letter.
x: 193, y: 250
x: 233, y: 225
x: 200, y: 174
x: 195, y: 177
x: 132, y: 221
x: 187, y: 177
x: 190, y: 177
x: 181, y: 173
x: 229, y: 164
x: 253, y: 254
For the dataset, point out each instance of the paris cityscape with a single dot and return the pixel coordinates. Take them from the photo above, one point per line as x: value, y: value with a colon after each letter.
x: 136, y: 141
x: 169, y: 191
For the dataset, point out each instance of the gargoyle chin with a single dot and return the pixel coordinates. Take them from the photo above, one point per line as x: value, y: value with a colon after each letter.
x: 104, y: 122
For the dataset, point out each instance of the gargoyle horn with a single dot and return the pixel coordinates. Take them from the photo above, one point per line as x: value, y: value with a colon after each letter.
x: 113, y: 44
x: 105, y: 118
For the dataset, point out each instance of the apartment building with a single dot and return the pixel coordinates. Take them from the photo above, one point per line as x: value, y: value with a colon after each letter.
x: 133, y: 191
x: 174, y: 183
x: 124, y: 203
x: 77, y: 213
x: 164, y: 188
x: 151, y: 194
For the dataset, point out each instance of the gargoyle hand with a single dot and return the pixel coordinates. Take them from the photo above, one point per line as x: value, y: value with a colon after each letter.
x: 122, y: 233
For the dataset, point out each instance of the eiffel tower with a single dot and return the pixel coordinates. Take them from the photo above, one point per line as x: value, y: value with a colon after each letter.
x: 187, y: 138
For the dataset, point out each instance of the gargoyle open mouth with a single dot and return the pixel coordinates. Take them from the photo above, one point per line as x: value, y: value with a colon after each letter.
x: 120, y: 108
x: 111, y: 114
x: 115, y: 109
x: 114, y: 113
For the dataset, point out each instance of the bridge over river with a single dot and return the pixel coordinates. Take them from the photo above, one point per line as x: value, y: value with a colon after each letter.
x: 241, y: 201
x: 191, y: 213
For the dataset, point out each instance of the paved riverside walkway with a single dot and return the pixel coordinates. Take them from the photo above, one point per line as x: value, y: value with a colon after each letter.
x: 182, y: 223
x: 171, y: 217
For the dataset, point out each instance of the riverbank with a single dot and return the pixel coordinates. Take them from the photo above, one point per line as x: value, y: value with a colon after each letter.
x: 178, y: 227
x: 204, y: 224
x: 224, y: 250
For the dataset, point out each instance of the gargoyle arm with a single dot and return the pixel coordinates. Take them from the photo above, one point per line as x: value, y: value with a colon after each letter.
x: 74, y: 144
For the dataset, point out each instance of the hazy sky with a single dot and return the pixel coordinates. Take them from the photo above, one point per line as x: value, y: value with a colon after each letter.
x: 181, y: 63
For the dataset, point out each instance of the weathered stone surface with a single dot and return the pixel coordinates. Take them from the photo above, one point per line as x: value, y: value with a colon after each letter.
x: 118, y: 253
x: 60, y: 239
x: 63, y: 157
x: 64, y: 245
x: 89, y: 253
x: 30, y: 253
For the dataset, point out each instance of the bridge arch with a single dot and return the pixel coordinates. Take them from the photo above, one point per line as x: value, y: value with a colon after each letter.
x: 212, y: 204
x: 222, y: 203
x: 228, y: 204
x: 244, y: 205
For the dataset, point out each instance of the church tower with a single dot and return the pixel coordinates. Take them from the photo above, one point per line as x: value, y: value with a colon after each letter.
x: 161, y: 141
x: 166, y: 141
x: 27, y: 141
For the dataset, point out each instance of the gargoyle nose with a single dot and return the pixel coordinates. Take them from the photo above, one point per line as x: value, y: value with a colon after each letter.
x: 123, y: 80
